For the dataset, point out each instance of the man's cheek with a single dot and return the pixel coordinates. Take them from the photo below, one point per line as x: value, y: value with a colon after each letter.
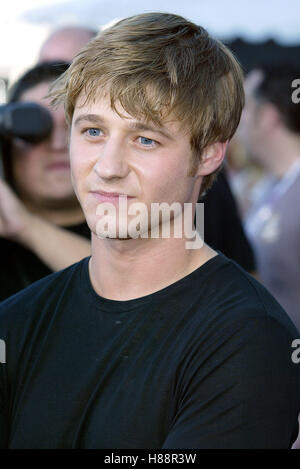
x: 74, y: 182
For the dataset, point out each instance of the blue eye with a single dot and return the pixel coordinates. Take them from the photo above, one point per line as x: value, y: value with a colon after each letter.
x: 147, y: 141
x: 93, y: 132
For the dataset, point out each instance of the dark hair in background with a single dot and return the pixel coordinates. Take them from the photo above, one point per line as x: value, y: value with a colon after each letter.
x: 43, y: 72
x: 276, y: 88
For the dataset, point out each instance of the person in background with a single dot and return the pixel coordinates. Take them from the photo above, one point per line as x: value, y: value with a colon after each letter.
x: 26, y: 260
x: 243, y: 174
x: 270, y: 128
x: 64, y: 43
x: 148, y: 343
x: 223, y: 227
x: 42, y: 226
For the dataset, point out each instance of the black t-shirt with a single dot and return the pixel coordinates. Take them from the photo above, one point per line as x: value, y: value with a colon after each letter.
x: 223, y: 229
x: 203, y: 363
x: 20, y: 267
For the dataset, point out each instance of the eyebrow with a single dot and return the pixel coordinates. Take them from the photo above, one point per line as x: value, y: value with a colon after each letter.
x: 135, y: 125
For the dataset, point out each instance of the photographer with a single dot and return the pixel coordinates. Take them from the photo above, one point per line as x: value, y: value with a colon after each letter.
x: 42, y: 227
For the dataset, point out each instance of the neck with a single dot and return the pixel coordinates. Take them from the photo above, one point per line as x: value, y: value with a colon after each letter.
x: 133, y: 268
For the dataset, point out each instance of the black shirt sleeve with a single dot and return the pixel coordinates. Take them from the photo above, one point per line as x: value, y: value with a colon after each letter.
x: 240, y: 401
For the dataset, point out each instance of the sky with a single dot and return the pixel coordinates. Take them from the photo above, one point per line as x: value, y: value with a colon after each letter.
x: 24, y: 24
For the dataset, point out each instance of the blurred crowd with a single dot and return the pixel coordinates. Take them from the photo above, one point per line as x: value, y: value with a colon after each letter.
x: 251, y: 212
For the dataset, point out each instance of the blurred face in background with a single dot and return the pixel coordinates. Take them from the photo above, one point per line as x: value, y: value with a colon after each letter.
x: 64, y: 44
x: 41, y: 172
x: 252, y: 130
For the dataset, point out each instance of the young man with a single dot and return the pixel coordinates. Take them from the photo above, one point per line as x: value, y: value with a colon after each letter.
x: 147, y: 344
x: 220, y: 233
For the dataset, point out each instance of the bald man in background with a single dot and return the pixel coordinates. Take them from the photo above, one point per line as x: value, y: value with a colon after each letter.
x: 64, y: 43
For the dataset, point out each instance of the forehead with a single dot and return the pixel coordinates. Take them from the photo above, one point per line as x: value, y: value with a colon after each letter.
x: 37, y: 93
x: 64, y: 45
x: 101, y: 106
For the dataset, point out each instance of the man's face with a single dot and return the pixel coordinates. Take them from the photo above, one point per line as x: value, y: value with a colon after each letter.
x: 118, y: 155
x: 42, y: 171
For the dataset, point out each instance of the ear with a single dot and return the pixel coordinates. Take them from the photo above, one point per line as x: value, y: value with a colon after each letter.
x: 212, y: 157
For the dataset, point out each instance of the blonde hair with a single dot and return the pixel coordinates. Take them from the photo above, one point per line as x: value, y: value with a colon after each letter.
x: 156, y: 64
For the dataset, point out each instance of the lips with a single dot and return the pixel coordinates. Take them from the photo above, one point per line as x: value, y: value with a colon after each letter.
x: 103, y: 196
x: 111, y: 194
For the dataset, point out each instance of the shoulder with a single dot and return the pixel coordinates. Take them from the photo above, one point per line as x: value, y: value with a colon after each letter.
x: 234, y: 296
x: 236, y: 330
x: 29, y: 303
x: 291, y: 197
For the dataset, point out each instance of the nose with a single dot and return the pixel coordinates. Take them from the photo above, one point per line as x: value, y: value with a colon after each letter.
x: 111, y: 160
